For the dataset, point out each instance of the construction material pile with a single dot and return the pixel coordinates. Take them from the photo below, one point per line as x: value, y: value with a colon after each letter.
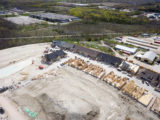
x: 95, y: 71
x: 77, y: 63
x: 156, y: 106
x: 115, y: 80
x: 91, y: 69
x: 133, y: 90
x: 122, y: 83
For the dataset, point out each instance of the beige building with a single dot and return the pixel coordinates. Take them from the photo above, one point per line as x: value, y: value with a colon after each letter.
x: 148, y: 57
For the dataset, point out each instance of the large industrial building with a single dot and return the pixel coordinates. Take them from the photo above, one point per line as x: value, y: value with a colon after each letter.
x: 125, y: 49
x: 53, y: 17
x: 148, y: 57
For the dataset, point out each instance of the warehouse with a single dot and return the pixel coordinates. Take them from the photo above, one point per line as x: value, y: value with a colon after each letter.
x: 149, y: 57
x: 125, y: 49
x: 73, y: 4
x: 157, y: 40
x: 53, y: 17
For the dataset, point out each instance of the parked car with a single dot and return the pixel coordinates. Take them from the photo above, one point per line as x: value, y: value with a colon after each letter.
x: 119, y: 69
x: 129, y: 75
x: 124, y: 72
x: 147, y: 83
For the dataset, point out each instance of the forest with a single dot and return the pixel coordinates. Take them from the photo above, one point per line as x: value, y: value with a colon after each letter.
x: 95, y: 15
x: 150, y: 8
x: 7, y: 28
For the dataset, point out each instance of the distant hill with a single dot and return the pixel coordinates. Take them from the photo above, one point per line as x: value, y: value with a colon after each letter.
x: 135, y: 1
x: 98, y: 1
x: 35, y: 3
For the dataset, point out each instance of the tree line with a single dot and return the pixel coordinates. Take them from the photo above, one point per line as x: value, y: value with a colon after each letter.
x: 95, y: 15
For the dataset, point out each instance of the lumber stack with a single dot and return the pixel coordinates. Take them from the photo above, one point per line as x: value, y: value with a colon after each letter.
x: 115, y: 80
x: 124, y: 84
x: 91, y: 69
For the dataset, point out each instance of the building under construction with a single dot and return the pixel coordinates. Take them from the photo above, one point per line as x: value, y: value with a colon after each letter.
x: 54, y: 56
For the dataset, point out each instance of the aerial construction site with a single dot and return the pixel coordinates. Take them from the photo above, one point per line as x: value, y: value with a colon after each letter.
x: 62, y: 81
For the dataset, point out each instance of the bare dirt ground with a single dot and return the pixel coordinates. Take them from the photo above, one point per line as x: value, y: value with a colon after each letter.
x: 15, y: 54
x: 74, y: 95
x: 13, y: 114
x: 61, y: 92
x: 23, y: 20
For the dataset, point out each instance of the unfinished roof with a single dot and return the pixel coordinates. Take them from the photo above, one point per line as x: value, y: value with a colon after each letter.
x: 149, y: 55
x: 146, y: 98
x: 128, y: 49
x: 156, y: 106
x: 127, y: 66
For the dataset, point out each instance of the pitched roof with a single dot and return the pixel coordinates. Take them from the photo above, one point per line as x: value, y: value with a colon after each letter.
x: 67, y: 45
x: 86, y: 51
x: 149, y: 55
x: 148, y: 75
x: 109, y: 59
x: 54, y: 55
x: 128, y: 49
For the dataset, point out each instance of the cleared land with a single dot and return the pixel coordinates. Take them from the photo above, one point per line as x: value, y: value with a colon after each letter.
x: 74, y: 95
x: 64, y: 93
x: 16, y: 54
x: 23, y: 20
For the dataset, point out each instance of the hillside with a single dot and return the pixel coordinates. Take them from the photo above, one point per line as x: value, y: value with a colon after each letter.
x: 84, y: 1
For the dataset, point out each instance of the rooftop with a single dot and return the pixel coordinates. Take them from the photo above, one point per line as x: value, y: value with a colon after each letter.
x: 54, y: 16
x: 128, y: 49
x: 149, y: 55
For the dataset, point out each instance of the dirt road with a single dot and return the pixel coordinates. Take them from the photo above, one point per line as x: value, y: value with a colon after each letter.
x: 14, y: 68
x: 11, y: 110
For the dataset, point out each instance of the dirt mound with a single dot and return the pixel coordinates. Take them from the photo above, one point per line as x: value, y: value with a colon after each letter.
x: 52, y: 110
x: 47, y: 109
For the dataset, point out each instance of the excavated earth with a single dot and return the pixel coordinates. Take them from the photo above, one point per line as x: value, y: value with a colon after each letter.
x: 70, y: 94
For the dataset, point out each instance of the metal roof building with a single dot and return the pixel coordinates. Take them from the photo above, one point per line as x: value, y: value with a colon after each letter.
x: 125, y: 49
x: 53, y: 17
x: 149, y: 57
